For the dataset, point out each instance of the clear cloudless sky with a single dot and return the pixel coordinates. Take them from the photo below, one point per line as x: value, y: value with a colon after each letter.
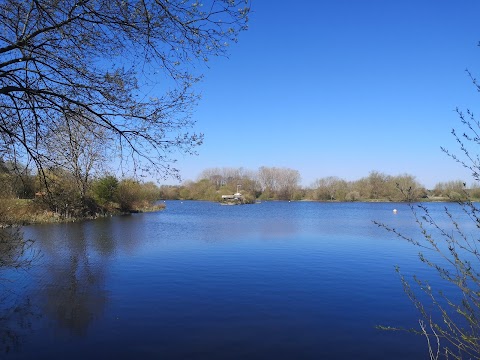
x: 341, y: 88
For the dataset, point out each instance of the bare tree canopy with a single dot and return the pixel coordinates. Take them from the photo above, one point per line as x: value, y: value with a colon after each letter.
x: 124, y: 68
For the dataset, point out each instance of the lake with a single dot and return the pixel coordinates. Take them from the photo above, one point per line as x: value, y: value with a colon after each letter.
x: 276, y: 280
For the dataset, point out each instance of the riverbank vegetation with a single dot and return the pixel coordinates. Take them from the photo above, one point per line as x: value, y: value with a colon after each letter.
x: 271, y: 183
x: 62, y: 195
x: 28, y: 198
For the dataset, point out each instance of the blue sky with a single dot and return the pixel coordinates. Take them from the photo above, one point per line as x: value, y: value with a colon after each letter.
x: 341, y: 88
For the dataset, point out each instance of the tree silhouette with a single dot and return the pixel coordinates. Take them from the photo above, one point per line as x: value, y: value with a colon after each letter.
x: 125, y: 67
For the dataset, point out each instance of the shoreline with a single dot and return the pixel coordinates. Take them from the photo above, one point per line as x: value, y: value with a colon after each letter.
x: 48, y: 217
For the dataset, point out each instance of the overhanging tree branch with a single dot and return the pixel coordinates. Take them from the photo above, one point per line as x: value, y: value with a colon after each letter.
x: 93, y: 58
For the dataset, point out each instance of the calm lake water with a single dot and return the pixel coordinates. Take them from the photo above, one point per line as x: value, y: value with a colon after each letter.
x: 275, y: 280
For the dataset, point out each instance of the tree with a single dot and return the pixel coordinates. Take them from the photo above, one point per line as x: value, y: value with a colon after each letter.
x: 406, y: 188
x: 281, y: 183
x: 352, y: 196
x: 104, y: 189
x: 126, y: 67
x: 63, y: 196
x: 330, y: 188
x: 453, y: 190
x: 16, y: 180
x: 214, y: 175
x: 377, y: 182
x: 78, y: 148
x: 226, y: 180
x: 134, y: 196
x: 474, y: 191
x: 450, y: 316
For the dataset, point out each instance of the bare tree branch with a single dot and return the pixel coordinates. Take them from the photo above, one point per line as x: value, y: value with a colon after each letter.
x: 98, y: 57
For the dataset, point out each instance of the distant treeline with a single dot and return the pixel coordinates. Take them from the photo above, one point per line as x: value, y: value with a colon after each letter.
x: 60, y: 194
x: 271, y: 183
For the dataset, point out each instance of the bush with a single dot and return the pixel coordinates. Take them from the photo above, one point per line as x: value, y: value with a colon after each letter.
x: 352, y: 196
x: 133, y: 196
x: 104, y: 189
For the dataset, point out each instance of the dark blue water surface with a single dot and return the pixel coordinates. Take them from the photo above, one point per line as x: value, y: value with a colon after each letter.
x: 275, y: 280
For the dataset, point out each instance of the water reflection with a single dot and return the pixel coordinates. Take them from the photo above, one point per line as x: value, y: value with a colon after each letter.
x: 15, y: 325
x: 15, y: 251
x: 16, y: 310
x: 72, y: 290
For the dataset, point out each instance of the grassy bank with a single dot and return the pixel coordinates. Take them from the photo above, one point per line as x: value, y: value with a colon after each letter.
x: 31, y: 211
